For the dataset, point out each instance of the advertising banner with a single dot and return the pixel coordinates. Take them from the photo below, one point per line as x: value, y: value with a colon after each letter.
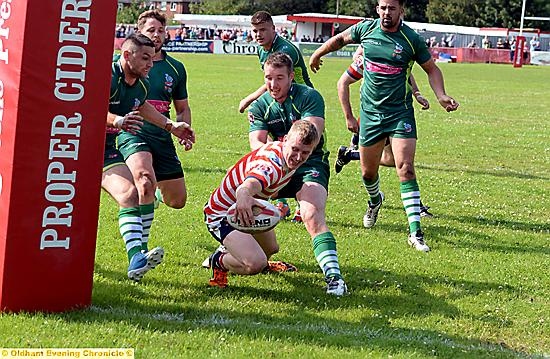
x: 307, y: 49
x: 204, y: 47
x: 55, y: 60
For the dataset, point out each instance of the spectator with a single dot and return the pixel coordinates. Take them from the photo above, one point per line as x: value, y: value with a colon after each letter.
x: 534, y: 44
x: 472, y: 44
x: 486, y: 43
x: 512, y: 50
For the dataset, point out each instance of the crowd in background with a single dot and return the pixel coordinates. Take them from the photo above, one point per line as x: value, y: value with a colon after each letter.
x: 245, y: 35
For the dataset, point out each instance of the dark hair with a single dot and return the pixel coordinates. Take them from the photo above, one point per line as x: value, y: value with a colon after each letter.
x: 138, y: 41
x: 278, y: 60
x: 154, y: 14
x: 305, y: 131
x: 260, y: 17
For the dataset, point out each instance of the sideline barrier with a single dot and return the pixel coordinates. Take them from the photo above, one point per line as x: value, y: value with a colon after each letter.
x: 461, y: 54
x: 54, y: 89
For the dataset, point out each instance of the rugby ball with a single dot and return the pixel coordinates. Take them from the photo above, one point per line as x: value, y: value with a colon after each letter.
x: 265, y: 218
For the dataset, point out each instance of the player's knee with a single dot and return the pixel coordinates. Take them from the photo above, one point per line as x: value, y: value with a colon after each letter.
x: 146, y: 183
x: 253, y: 266
x: 272, y: 249
x: 128, y: 197
x: 406, y: 170
x: 176, y: 202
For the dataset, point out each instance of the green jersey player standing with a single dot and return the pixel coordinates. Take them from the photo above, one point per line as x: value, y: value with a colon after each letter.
x: 390, y: 49
x: 150, y: 153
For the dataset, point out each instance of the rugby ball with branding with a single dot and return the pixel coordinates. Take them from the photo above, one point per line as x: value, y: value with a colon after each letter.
x: 265, y: 218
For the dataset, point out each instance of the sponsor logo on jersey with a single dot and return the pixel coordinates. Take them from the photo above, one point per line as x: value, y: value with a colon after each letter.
x: 251, y: 118
x: 273, y: 157
x: 136, y: 104
x: 168, y: 83
x: 276, y: 120
x: 397, y: 51
x: 372, y: 42
x: 313, y: 173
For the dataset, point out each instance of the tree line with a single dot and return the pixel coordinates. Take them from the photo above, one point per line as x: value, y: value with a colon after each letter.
x: 487, y: 13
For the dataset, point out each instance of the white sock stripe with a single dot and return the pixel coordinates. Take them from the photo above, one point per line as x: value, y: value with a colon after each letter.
x: 130, y: 226
x: 411, y: 202
x: 413, y: 194
x: 414, y: 218
x: 325, y: 256
x: 148, y: 216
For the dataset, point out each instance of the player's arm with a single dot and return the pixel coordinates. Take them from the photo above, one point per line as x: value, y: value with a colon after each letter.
x: 257, y: 139
x: 437, y: 84
x: 179, y: 129
x: 245, y: 102
x: 417, y: 94
x: 343, y: 95
x: 319, y: 123
x: 245, y: 200
x: 183, y: 114
x: 131, y: 122
x: 334, y: 43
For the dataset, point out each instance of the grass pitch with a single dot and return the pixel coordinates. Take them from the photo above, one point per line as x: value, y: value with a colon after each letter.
x: 483, y: 291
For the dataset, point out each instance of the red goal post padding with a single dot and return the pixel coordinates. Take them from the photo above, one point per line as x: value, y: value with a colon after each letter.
x: 54, y: 86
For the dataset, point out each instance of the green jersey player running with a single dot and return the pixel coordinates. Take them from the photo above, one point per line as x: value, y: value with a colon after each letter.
x: 390, y: 48
x: 127, y: 110
x: 150, y: 153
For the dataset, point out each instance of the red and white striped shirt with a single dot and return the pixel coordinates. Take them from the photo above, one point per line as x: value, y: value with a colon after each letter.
x: 266, y: 164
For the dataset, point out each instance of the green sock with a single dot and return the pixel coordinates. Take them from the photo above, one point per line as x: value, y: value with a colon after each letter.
x: 410, y: 195
x: 373, y: 189
x: 324, y: 248
x: 147, y: 216
x: 131, y: 229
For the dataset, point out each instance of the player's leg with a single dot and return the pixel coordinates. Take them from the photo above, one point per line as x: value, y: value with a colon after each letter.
x: 312, y: 198
x: 173, y: 192
x: 389, y: 161
x: 141, y: 165
x: 387, y: 158
x: 370, y: 161
x: 117, y: 181
x: 269, y: 245
x: 404, y: 151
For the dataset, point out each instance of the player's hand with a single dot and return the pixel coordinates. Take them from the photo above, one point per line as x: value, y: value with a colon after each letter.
x: 353, y: 125
x: 184, y: 132
x: 422, y: 100
x: 448, y: 103
x: 243, y: 105
x: 131, y: 122
x: 243, y: 210
x: 315, y: 63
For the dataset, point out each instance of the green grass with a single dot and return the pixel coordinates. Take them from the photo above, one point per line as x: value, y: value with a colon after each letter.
x: 483, y: 291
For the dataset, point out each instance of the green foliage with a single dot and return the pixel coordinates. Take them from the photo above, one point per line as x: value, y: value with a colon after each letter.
x: 488, y: 13
x: 129, y: 14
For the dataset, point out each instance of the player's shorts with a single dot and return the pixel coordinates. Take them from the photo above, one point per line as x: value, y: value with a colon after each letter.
x: 375, y: 126
x: 111, y: 158
x: 316, y: 169
x: 166, y: 163
x: 220, y: 230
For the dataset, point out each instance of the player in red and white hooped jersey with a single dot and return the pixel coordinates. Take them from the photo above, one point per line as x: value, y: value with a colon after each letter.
x: 259, y: 174
x: 266, y: 164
